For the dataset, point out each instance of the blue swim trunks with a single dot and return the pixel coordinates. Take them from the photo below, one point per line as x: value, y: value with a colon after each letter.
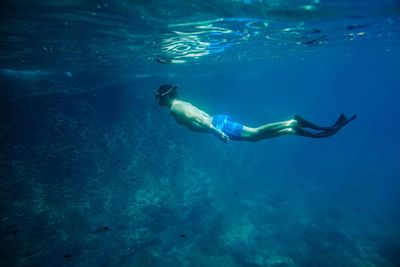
x: 228, y: 126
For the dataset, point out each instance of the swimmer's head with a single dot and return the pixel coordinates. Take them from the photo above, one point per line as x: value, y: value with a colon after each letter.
x: 166, y: 93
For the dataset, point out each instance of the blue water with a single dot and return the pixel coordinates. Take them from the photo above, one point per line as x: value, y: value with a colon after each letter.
x: 94, y: 173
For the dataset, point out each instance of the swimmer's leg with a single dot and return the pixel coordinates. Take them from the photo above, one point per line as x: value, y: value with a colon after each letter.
x: 293, y: 127
x: 268, y: 130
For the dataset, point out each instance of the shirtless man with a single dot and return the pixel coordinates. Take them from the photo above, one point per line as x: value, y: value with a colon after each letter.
x: 225, y: 129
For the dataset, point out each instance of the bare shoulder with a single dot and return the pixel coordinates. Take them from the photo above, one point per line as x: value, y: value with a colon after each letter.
x: 180, y: 106
x: 186, y: 109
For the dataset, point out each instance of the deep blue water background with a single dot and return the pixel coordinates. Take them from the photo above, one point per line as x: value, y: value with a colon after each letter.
x: 94, y: 173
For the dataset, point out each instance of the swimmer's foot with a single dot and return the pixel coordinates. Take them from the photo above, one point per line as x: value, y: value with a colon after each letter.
x: 291, y: 123
x: 287, y: 131
x: 290, y: 128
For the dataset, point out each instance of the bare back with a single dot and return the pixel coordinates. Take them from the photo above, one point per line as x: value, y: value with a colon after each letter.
x: 189, y: 116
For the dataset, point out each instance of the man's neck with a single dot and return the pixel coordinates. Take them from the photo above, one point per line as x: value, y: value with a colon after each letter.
x: 172, y: 102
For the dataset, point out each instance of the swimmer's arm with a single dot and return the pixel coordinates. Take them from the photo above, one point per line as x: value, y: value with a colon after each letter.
x: 207, y: 125
x: 182, y: 110
x: 200, y: 120
x: 220, y: 134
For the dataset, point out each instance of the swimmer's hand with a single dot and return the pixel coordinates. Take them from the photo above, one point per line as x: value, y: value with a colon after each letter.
x: 220, y: 134
x: 223, y: 137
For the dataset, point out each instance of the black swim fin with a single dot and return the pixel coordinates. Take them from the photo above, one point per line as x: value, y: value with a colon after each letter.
x: 341, y: 121
x: 342, y: 118
x: 309, y: 133
x: 305, y: 124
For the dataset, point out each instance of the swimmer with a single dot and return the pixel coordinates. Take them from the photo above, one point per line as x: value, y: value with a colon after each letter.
x: 223, y: 127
